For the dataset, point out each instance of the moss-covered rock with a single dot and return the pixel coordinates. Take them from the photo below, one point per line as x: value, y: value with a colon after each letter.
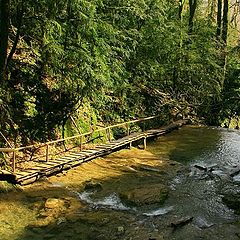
x: 7, y: 187
x: 146, y: 195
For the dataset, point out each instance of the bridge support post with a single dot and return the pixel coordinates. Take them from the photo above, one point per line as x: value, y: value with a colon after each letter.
x: 108, y: 134
x: 128, y: 129
x: 47, y: 152
x: 130, y: 145
x: 81, y: 142
x: 144, y: 143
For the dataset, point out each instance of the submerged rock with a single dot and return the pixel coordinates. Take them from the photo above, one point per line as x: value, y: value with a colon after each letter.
x: 52, y: 203
x: 233, y: 201
x: 155, y: 237
x: 202, y: 168
x: 235, y: 172
x: 93, y: 186
x: 61, y: 220
x: 236, y: 178
x: 145, y: 195
x: 181, y: 222
x: 202, y: 223
x: 120, y: 230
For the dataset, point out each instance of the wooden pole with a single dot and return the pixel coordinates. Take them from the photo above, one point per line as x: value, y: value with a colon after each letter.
x: 144, y: 143
x: 108, y: 134
x: 75, y: 124
x: 47, y: 152
x: 9, y: 144
x: 128, y: 129
x: 81, y: 142
x: 84, y: 134
x: 128, y: 133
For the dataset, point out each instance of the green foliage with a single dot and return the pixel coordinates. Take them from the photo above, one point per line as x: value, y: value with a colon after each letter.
x: 125, y: 59
x: 230, y: 105
x: 8, y: 187
x: 3, y: 161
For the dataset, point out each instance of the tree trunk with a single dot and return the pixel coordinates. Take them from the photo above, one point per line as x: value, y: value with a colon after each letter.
x: 181, y: 4
x: 225, y: 21
x: 4, y: 29
x: 176, y: 66
x: 192, y: 9
x: 212, y: 10
x: 19, y: 25
x: 219, y: 18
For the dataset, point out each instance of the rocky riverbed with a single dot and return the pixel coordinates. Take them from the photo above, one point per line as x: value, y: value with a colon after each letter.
x: 179, y: 188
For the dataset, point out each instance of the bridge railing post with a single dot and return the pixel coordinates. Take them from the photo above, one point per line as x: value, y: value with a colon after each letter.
x: 128, y: 134
x: 14, y: 150
x: 14, y: 161
x: 47, y: 153
x: 81, y: 143
x: 128, y: 129
x: 108, y: 134
x: 145, y: 143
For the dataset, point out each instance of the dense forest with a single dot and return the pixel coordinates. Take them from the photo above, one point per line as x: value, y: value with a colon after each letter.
x: 82, y: 62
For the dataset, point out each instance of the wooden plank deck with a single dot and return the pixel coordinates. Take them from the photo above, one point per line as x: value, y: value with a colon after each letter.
x: 40, y: 169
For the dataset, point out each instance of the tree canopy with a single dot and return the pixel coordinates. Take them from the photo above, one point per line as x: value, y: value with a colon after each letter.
x: 119, y: 58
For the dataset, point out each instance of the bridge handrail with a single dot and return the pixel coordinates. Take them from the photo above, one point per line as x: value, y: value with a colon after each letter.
x: 46, y: 144
x: 75, y: 136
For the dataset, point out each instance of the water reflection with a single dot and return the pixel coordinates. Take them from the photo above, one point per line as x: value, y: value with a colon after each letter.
x: 210, y: 157
x: 187, y: 144
x: 213, y: 155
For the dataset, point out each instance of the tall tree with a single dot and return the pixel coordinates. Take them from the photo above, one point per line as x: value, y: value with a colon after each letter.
x: 225, y: 21
x: 181, y: 4
x: 4, y: 30
x: 19, y: 19
x: 219, y: 18
x: 192, y: 10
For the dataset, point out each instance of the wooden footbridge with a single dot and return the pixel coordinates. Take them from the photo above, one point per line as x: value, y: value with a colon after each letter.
x: 28, y: 164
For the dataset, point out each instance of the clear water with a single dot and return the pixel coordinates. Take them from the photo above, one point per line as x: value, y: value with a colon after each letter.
x: 198, y: 194
x: 210, y: 156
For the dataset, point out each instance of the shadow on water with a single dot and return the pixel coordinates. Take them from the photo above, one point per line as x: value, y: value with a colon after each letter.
x: 93, y: 201
x: 187, y: 144
x: 54, y: 211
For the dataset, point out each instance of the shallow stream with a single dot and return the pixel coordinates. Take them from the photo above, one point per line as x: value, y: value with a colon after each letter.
x: 173, y: 190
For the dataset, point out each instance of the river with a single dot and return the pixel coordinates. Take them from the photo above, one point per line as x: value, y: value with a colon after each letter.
x: 179, y: 188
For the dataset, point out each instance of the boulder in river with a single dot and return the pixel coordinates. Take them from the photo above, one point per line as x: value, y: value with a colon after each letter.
x: 145, y: 195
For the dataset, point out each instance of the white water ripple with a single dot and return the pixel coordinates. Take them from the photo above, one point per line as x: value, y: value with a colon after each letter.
x: 112, y: 201
x: 158, y: 212
x: 236, y: 178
